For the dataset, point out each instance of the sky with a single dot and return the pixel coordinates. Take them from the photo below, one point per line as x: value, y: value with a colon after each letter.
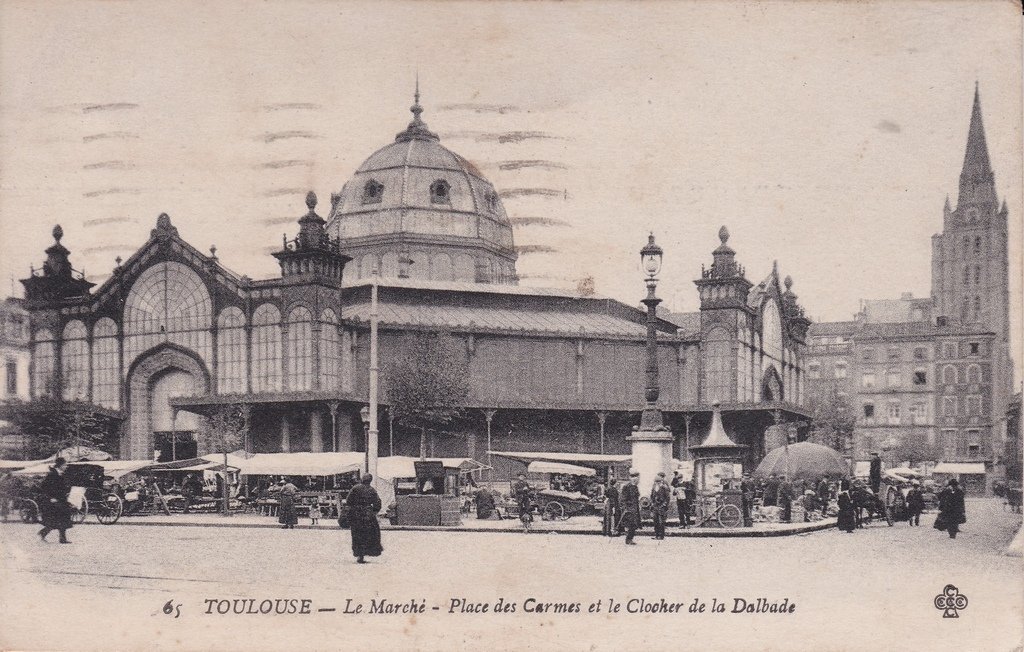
x: 826, y: 136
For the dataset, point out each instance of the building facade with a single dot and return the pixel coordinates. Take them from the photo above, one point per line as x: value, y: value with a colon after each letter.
x: 14, y: 350
x: 933, y: 375
x: 173, y: 336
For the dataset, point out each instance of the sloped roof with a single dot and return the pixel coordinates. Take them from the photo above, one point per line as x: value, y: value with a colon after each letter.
x: 487, y: 318
x: 832, y: 328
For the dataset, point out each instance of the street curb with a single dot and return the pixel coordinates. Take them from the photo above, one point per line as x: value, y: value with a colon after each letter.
x: 691, y: 533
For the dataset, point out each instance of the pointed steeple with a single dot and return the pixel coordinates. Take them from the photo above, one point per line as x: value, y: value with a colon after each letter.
x: 417, y: 129
x: 977, y: 170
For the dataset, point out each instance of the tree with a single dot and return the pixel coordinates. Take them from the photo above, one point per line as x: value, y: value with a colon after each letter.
x: 915, y: 450
x: 50, y: 425
x: 427, y: 382
x: 832, y: 417
x: 224, y: 430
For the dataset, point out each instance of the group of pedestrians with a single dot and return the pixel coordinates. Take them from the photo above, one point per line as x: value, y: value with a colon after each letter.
x: 952, y: 511
x: 622, y: 506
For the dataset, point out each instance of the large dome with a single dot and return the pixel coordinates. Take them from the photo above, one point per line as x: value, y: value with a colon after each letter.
x: 416, y: 209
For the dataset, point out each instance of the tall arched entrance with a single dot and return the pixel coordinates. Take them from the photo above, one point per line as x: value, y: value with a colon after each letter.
x: 156, y: 376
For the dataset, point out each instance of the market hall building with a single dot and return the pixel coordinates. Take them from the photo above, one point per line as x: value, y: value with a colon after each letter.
x: 172, y: 336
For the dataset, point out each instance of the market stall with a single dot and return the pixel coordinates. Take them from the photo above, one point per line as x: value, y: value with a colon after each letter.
x: 321, y: 478
x: 425, y: 492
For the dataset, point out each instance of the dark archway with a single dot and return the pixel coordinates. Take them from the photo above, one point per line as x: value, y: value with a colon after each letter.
x: 148, y: 378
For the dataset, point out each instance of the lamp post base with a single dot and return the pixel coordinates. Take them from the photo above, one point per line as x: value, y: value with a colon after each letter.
x: 652, y: 453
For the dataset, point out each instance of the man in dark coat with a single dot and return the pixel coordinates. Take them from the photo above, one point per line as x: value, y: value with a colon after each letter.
x: 660, y: 496
x: 364, y: 504
x: 612, y: 511
x: 786, y: 499
x: 915, y: 503
x: 682, y: 495
x: 522, y: 494
x: 747, y: 497
x: 56, y: 512
x: 191, y: 491
x: 771, y: 491
x: 823, y: 495
x: 875, y: 473
x: 484, y: 503
x: 952, y: 512
x: 630, y: 500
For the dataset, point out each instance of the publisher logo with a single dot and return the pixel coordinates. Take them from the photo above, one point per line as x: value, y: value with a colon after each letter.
x: 950, y: 601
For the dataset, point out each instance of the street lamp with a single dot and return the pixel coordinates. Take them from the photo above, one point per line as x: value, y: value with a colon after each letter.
x: 364, y: 414
x: 650, y: 263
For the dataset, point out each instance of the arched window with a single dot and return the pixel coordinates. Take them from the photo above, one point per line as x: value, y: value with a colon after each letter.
x: 977, y: 307
x: 44, y: 358
x: 977, y: 244
x: 330, y: 352
x: 106, y: 374
x: 231, y: 357
x: 491, y: 198
x: 300, y: 349
x: 440, y: 192
x: 74, y: 359
x: 373, y: 192
x: 977, y: 274
x: 168, y: 303
x: 771, y: 330
x: 967, y: 274
x: 949, y: 374
x: 973, y: 374
x: 266, y: 349
x: 441, y: 267
x: 718, y: 366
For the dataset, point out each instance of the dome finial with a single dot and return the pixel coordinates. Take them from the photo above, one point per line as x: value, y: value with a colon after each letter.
x: 416, y: 108
x: 311, y: 200
x: 58, y: 233
x: 723, y: 234
x: 788, y: 282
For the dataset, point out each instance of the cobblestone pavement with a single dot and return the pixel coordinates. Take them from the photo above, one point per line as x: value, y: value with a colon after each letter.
x: 108, y: 589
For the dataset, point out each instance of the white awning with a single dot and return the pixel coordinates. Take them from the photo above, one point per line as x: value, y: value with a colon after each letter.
x: 318, y: 464
x: 539, y: 466
x: 400, y: 466
x: 14, y: 465
x: 590, y: 459
x: 954, y: 468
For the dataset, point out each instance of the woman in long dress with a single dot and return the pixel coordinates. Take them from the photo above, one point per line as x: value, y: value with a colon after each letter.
x: 364, y: 505
x: 287, y: 516
x: 952, y: 513
x: 847, y: 521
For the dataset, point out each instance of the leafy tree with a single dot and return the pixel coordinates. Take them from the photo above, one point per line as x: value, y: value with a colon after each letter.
x: 915, y: 450
x: 427, y: 383
x: 832, y: 417
x: 224, y: 431
x: 52, y: 424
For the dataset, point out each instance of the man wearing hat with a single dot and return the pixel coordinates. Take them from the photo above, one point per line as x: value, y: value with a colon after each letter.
x: 630, y: 503
x: 875, y: 473
x: 915, y: 503
x: 660, y: 495
x: 682, y: 495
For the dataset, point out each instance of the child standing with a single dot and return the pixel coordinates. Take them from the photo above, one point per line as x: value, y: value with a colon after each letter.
x: 315, y: 513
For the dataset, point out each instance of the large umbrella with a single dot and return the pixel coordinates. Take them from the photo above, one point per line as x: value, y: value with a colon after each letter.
x: 802, y: 460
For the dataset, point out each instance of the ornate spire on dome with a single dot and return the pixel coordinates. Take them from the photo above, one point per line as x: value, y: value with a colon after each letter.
x: 417, y: 129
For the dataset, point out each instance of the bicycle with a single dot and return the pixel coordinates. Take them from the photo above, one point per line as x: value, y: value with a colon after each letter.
x: 726, y: 515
